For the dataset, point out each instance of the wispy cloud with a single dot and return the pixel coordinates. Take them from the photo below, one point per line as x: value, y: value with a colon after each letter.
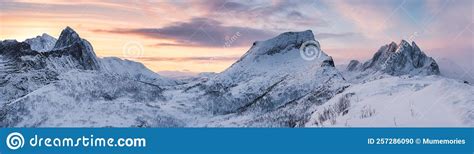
x: 199, y: 32
x: 275, y: 15
x: 334, y: 35
x: 371, y: 18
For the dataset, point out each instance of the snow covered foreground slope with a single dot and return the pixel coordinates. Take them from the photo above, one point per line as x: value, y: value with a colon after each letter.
x: 399, y: 101
x: 273, y: 85
x: 398, y: 86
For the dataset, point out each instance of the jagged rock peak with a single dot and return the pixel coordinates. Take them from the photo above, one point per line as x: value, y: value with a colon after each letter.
x: 401, y: 59
x: 392, y: 47
x: 403, y: 46
x: 68, y: 37
x: 81, y: 49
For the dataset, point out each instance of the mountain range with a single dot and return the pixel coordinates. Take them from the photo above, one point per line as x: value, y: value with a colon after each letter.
x: 48, y: 82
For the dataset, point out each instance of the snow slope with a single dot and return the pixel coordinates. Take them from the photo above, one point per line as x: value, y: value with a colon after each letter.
x: 81, y: 98
x: 133, y: 70
x: 451, y: 69
x: 431, y: 101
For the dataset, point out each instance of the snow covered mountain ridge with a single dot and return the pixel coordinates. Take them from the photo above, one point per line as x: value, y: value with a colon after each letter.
x: 398, y: 59
x: 24, y: 69
x: 42, y: 43
x: 274, y: 84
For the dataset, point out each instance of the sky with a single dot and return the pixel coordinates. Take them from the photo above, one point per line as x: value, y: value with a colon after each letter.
x: 186, y: 36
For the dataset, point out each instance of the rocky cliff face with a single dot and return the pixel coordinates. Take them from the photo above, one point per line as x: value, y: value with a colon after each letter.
x: 34, y: 63
x: 67, y: 77
x: 70, y: 44
x: 398, y: 59
x: 69, y: 52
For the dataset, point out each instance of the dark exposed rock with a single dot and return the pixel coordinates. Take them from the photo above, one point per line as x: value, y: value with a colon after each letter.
x: 399, y: 59
x: 68, y: 37
x: 353, y: 65
x: 328, y: 62
x: 24, y: 70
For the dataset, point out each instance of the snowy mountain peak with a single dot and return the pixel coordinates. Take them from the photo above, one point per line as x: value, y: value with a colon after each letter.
x: 272, y: 85
x: 284, y: 40
x: 272, y: 75
x: 45, y: 35
x: 69, y: 43
x: 42, y: 43
x: 404, y: 46
x: 404, y: 43
x: 392, y: 47
x: 399, y: 59
x: 285, y: 48
x: 68, y: 37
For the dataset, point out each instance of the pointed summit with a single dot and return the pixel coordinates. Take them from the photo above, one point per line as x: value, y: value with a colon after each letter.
x: 404, y: 43
x: 69, y: 43
x: 399, y: 59
x: 415, y: 47
x: 68, y: 37
x: 392, y: 47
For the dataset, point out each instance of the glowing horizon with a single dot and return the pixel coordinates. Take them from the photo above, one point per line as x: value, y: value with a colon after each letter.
x: 208, y: 36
